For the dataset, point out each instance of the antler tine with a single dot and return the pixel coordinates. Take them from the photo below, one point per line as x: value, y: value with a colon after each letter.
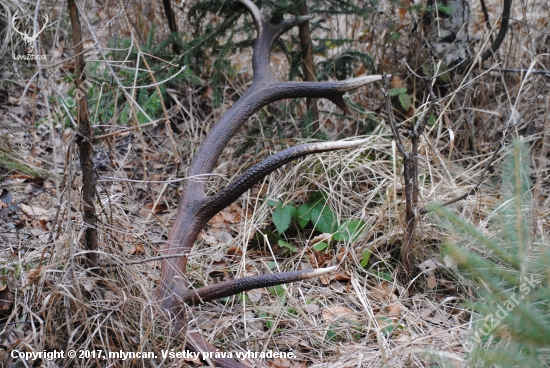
x: 233, y: 287
x: 287, y: 24
x: 253, y: 175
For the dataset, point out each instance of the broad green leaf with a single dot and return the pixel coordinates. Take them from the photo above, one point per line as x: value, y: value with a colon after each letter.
x: 402, y: 90
x: 263, y: 236
x: 366, y: 256
x: 445, y: 9
x: 282, y: 243
x: 442, y: 73
x: 316, y: 197
x: 349, y: 231
x: 274, y: 202
x: 276, y: 290
x: 304, y: 215
x: 323, y: 218
x: 331, y: 335
x: 282, y: 217
x: 293, y: 211
x: 394, y: 37
x: 394, y: 92
x: 320, y: 246
x: 405, y: 101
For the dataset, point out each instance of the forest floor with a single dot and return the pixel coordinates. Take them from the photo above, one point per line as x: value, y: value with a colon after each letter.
x: 366, y: 314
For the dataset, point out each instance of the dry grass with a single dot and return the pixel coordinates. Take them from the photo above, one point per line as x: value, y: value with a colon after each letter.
x: 356, y: 318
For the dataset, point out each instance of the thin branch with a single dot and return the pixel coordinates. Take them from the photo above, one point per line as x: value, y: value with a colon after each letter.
x: 504, y: 23
x: 391, y: 117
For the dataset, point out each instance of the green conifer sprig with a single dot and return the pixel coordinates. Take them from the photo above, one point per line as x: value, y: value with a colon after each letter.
x: 509, y: 264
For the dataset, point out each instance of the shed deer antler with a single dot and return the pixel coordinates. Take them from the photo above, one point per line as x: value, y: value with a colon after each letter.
x: 196, y: 208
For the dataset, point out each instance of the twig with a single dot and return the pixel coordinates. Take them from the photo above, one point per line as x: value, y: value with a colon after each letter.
x: 84, y: 143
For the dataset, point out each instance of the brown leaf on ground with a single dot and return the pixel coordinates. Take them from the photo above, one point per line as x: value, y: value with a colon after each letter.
x: 255, y: 295
x: 382, y: 292
x: 396, y: 82
x: 337, y: 286
x: 6, y: 298
x: 137, y: 249
x: 234, y: 252
x: 5, y: 198
x: 394, y: 310
x: 431, y: 281
x: 34, y: 211
x: 230, y: 215
x: 330, y: 313
x: 150, y: 207
x: 325, y: 237
x: 280, y: 363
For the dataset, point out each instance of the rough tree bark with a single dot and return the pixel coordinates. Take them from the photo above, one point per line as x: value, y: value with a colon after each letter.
x: 84, y: 142
x: 309, y: 67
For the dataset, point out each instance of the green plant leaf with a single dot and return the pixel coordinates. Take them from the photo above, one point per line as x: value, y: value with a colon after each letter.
x: 316, y: 197
x: 274, y: 202
x: 282, y: 243
x: 393, y: 38
x: 394, y: 92
x: 349, y: 231
x: 304, y: 215
x: 282, y: 216
x: 442, y: 73
x: 276, y: 290
x: 323, y: 218
x: 331, y: 335
x: 320, y: 246
x: 405, y: 101
x: 264, y: 235
x: 445, y: 9
x: 366, y: 256
x: 293, y: 212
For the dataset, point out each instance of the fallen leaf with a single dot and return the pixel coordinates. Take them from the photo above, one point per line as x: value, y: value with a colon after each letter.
x: 6, y: 298
x: 325, y: 237
x: 396, y: 82
x: 34, y: 211
x: 313, y: 309
x: 6, y: 197
x: 151, y: 208
x: 255, y: 295
x: 431, y: 281
x: 337, y: 286
x: 137, y: 249
x: 394, y: 310
x: 330, y: 313
x: 280, y: 363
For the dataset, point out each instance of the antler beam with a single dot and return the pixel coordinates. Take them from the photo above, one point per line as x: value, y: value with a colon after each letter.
x: 196, y: 208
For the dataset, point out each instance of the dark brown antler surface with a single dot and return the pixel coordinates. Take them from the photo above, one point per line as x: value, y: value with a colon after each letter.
x: 196, y: 208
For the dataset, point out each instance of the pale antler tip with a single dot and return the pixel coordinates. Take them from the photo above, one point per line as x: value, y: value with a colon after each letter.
x: 321, y: 271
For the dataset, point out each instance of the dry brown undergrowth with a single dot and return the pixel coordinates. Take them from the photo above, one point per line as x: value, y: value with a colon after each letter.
x: 354, y: 317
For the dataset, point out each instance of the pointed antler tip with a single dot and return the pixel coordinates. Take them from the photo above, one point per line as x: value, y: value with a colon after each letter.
x: 321, y: 271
